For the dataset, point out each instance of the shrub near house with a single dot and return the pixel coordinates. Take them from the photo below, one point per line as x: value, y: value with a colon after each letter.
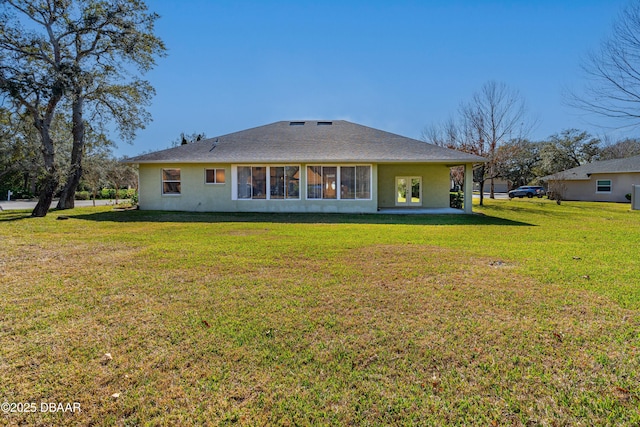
x: 107, y: 193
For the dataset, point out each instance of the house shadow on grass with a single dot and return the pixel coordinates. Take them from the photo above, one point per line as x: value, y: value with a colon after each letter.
x: 7, y: 216
x: 300, y: 218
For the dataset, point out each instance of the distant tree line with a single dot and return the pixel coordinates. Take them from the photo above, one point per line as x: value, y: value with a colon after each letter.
x: 22, y: 166
x: 521, y: 161
x: 495, y: 124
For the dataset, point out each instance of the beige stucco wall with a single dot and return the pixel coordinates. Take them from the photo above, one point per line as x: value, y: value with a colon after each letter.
x: 585, y: 190
x: 196, y: 195
x: 499, y: 186
x: 200, y: 197
x: 435, y: 183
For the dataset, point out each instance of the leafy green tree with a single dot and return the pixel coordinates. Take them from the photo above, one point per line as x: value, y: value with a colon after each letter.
x: 34, y: 87
x: 20, y: 159
x: 94, y: 174
x: 85, y: 53
x: 568, y: 149
x: 518, y: 160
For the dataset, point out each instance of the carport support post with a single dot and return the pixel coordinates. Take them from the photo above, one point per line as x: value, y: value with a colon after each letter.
x: 468, y: 188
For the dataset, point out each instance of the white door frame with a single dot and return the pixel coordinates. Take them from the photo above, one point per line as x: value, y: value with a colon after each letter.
x: 408, y: 200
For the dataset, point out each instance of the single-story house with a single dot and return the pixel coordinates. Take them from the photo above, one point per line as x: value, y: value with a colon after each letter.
x: 302, y: 166
x: 603, y: 181
x: 499, y: 186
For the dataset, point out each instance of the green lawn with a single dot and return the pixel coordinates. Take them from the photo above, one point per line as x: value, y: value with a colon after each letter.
x: 527, y: 314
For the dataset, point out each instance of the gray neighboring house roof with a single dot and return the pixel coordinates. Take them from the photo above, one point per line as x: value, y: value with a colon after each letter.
x: 584, y: 172
x: 308, y: 141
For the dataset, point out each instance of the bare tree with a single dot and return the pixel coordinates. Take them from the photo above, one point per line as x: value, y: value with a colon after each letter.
x: 494, y: 115
x: 557, y: 187
x: 624, y: 148
x: 613, y: 72
x: 446, y: 134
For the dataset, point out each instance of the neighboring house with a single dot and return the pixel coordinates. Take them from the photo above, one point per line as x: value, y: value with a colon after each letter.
x: 302, y: 166
x: 499, y: 186
x: 603, y: 181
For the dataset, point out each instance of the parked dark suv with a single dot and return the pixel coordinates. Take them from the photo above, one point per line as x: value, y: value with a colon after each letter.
x: 527, y: 190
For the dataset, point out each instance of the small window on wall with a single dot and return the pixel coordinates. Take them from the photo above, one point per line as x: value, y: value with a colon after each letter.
x: 214, y: 176
x: 603, y: 186
x: 171, y: 181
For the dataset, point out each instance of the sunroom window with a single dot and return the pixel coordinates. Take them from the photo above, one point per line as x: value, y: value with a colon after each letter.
x: 353, y: 182
x: 252, y: 182
x: 283, y: 182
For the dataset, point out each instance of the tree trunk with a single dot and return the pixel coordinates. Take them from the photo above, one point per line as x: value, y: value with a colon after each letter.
x: 492, y: 193
x: 482, y: 193
x: 46, y: 195
x: 68, y: 196
x: 50, y: 182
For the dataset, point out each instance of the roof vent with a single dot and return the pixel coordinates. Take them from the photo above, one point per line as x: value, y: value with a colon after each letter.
x: 296, y: 123
x: 325, y: 123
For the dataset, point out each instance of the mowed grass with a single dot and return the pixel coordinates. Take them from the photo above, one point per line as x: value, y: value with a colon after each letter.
x: 527, y: 314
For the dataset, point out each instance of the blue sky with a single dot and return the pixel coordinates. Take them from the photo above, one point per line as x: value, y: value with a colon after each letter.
x: 393, y: 65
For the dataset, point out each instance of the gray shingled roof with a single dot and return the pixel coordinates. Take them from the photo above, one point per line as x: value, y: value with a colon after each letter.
x: 628, y: 165
x: 310, y: 142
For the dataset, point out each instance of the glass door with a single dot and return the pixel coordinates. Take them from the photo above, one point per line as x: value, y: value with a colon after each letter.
x: 409, y: 191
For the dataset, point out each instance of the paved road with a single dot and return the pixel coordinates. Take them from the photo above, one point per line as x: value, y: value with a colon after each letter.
x: 486, y: 196
x: 25, y: 204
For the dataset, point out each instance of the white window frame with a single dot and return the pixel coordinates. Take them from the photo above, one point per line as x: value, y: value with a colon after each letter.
x: 215, y: 176
x: 598, y: 185
x: 162, y: 182
x: 339, y: 181
x: 234, y: 181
